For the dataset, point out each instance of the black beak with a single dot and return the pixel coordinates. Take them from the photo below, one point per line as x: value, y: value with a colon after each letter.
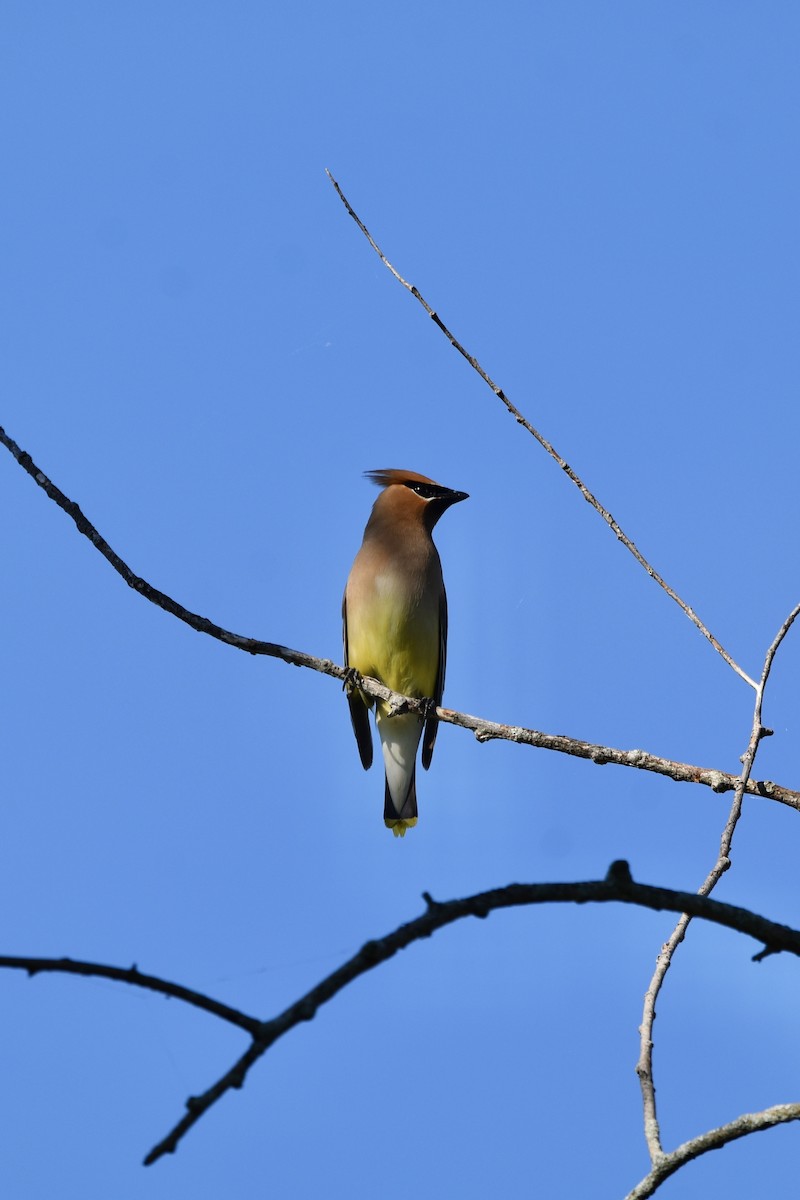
x: 454, y: 498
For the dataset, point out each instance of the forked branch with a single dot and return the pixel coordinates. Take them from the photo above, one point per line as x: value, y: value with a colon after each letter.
x: 714, y: 1139
x: 644, y: 1066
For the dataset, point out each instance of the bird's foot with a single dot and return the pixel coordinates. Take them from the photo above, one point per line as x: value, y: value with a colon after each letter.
x: 351, y: 681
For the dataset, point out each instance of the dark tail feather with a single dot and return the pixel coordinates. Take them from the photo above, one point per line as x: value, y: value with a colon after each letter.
x: 359, y: 715
x: 406, y: 818
x: 429, y: 740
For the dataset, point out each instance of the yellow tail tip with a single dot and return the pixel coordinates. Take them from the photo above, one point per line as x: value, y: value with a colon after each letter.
x: 399, y: 828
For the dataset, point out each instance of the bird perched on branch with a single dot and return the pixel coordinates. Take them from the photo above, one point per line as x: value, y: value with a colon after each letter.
x: 395, y: 629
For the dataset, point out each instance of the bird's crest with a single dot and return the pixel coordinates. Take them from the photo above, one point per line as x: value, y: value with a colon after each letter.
x: 390, y: 475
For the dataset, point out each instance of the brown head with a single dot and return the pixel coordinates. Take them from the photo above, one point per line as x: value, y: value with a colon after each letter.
x: 411, y: 497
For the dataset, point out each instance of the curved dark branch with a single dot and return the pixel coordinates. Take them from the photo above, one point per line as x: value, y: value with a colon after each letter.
x: 484, y: 730
x: 543, y: 442
x: 201, y: 624
x: 617, y: 886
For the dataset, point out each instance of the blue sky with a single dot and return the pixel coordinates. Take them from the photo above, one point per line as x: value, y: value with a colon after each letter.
x: 201, y: 350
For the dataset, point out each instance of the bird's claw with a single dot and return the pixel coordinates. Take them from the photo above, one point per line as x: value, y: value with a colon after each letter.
x: 351, y: 680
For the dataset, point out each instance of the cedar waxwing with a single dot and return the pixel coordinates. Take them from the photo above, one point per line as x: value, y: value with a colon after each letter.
x: 395, y: 628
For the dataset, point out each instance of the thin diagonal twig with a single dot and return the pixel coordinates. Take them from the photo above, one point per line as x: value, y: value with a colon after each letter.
x: 545, y: 444
x: 644, y: 1066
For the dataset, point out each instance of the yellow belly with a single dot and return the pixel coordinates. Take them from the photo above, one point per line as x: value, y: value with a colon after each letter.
x: 397, y: 646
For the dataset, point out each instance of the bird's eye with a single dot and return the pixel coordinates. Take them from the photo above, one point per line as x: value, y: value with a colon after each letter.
x: 425, y: 490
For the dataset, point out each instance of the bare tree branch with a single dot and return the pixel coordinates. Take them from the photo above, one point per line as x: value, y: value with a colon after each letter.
x: 135, y: 977
x: 201, y: 624
x: 543, y: 442
x: 644, y: 1066
x: 642, y: 760
x: 715, y: 1139
x: 484, y: 729
x: 617, y: 886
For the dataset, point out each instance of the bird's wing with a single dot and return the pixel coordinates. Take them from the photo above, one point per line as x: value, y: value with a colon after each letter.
x: 432, y: 723
x: 359, y: 713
